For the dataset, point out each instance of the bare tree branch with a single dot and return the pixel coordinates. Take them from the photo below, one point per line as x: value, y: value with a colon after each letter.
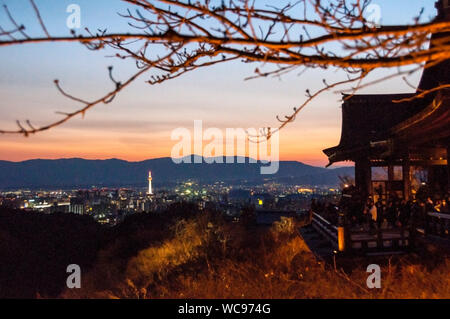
x: 329, y: 33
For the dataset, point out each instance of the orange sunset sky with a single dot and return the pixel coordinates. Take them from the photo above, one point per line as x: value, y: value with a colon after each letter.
x: 138, y: 124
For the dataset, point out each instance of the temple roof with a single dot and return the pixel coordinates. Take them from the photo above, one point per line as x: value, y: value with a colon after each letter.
x: 367, y: 119
x: 371, y: 120
x: 431, y: 125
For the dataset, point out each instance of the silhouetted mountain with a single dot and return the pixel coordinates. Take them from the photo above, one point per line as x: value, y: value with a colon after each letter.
x: 77, y: 172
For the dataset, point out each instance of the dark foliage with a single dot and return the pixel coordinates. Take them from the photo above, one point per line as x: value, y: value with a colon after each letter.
x: 36, y: 248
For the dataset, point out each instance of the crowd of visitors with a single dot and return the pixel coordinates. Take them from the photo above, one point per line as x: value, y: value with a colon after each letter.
x: 382, y: 214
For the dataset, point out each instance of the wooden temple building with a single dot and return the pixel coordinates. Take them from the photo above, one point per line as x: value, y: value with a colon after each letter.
x: 399, y: 138
x: 393, y: 139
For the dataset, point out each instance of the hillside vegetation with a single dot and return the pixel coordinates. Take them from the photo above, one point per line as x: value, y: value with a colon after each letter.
x: 187, y: 254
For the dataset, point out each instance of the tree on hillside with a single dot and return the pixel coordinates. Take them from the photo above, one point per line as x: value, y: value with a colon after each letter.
x: 173, y: 37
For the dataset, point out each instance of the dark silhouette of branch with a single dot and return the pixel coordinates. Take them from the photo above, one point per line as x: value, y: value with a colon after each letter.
x: 38, y: 15
x: 197, y: 34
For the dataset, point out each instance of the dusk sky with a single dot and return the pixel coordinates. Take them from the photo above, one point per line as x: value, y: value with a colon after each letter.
x: 138, y: 124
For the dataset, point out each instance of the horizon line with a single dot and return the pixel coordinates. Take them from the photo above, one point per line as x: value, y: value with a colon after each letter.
x: 157, y: 158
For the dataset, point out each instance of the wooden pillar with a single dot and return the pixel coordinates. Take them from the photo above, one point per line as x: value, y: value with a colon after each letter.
x: 431, y: 181
x: 406, y: 172
x: 448, y: 168
x: 363, y: 177
x: 390, y: 190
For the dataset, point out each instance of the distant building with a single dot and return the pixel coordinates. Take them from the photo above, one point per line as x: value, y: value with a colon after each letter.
x: 239, y: 195
x: 264, y: 200
x: 77, y: 206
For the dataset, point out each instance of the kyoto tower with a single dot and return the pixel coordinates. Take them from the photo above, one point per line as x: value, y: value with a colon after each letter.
x: 150, y: 191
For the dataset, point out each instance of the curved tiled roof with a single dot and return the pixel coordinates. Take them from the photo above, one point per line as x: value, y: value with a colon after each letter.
x: 368, y: 119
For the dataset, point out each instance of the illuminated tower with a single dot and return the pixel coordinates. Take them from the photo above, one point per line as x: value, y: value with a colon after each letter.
x: 150, y: 191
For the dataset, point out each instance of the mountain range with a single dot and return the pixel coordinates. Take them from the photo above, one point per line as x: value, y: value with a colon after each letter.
x: 81, y: 173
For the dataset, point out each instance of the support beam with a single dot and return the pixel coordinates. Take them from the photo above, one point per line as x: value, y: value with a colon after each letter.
x: 390, y: 190
x: 448, y: 168
x: 363, y: 177
x: 406, y: 180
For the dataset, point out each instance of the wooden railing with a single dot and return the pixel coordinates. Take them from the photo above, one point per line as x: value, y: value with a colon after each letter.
x: 381, y: 240
x: 325, y: 228
x: 438, y: 224
x: 375, y: 241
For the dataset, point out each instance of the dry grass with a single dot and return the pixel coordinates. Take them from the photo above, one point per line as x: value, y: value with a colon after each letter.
x: 207, y: 258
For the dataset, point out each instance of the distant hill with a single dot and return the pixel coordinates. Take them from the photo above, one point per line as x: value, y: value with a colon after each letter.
x: 77, y: 172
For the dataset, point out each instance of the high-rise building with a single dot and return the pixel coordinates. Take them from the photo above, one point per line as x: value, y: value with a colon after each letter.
x: 150, y: 190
